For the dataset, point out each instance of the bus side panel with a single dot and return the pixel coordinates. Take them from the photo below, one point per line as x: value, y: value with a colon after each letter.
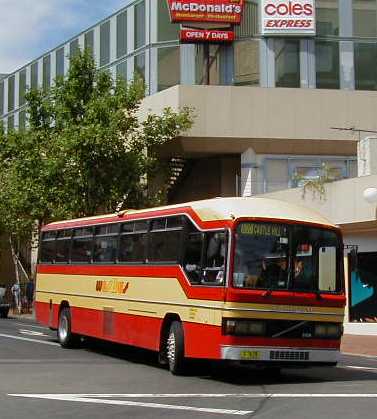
x: 202, y: 341
x: 42, y: 313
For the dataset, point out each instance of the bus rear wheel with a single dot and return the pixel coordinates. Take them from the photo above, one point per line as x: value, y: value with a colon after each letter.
x: 65, y: 336
x: 175, y: 349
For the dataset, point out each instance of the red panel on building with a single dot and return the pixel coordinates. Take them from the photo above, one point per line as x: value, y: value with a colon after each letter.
x: 217, y: 11
x: 198, y: 35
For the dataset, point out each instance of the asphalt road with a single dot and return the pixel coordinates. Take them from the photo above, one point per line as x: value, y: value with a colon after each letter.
x: 40, y: 380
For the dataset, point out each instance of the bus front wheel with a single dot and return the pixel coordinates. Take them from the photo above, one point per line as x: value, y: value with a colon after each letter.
x: 175, y: 349
x: 65, y: 336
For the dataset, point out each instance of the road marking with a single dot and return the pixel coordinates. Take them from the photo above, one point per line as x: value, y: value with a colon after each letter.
x: 29, y: 340
x: 94, y: 399
x: 31, y: 325
x: 32, y: 333
x: 359, y: 368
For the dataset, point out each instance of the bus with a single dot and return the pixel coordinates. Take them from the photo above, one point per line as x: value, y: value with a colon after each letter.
x: 252, y: 280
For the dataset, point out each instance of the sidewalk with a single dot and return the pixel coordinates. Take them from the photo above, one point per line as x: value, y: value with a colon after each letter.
x: 359, y: 345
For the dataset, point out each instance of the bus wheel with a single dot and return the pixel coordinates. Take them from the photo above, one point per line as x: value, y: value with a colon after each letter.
x: 175, y: 349
x: 65, y: 336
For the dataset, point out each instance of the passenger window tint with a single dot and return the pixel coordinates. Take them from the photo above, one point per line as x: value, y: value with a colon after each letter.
x: 214, y: 257
x: 193, y: 256
x: 164, y: 246
x: 63, y: 245
x: 105, y: 249
x: 132, y: 248
x: 82, y: 250
x: 48, y: 247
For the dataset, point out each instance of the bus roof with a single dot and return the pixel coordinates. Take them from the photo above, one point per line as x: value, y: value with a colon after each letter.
x: 217, y: 209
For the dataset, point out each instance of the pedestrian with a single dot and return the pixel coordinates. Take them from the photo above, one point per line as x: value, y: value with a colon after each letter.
x: 30, y: 295
x: 16, y: 292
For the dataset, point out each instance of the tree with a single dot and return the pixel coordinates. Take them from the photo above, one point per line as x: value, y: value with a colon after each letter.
x: 84, y: 152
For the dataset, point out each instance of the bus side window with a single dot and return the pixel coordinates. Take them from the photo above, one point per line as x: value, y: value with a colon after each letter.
x: 193, y: 256
x: 214, y: 258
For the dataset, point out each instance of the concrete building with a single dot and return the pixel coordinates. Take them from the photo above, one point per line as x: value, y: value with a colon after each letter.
x: 265, y: 122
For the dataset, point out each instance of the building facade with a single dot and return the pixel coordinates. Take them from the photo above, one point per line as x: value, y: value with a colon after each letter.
x: 266, y: 106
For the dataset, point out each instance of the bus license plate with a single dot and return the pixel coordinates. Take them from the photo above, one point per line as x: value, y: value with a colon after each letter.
x: 250, y: 355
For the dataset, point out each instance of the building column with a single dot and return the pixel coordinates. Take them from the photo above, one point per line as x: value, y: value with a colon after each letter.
x: 187, y: 57
x: 248, y: 173
x: 267, y: 62
x: 307, y: 63
x: 346, y: 51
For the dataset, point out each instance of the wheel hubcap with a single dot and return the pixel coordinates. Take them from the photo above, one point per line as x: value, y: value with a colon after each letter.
x: 171, y: 348
x: 63, y: 328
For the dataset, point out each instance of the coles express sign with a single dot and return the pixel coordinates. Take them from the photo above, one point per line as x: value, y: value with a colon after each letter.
x: 288, y: 17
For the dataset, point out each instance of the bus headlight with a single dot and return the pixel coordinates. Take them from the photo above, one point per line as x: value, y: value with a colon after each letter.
x: 328, y: 330
x: 244, y: 327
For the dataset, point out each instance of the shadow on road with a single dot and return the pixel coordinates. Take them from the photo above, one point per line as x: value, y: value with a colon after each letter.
x: 243, y: 375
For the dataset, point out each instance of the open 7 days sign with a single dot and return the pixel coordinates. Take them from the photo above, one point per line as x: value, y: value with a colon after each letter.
x: 216, y: 11
x: 288, y: 17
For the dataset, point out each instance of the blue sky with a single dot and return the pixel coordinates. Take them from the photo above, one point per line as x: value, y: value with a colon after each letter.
x: 29, y: 28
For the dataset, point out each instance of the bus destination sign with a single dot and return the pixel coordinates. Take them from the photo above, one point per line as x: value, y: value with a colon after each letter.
x: 206, y: 11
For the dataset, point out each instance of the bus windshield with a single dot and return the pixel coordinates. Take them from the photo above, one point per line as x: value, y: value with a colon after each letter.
x: 274, y: 256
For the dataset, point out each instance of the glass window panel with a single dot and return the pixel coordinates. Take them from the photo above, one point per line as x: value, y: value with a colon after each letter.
x: 202, y: 56
x: 276, y: 172
x: 365, y: 18
x: 22, y: 87
x: 105, y: 44
x: 164, y: 246
x: 60, y: 62
x: 132, y: 247
x: 365, y: 66
x: 122, y: 34
x: 62, y: 250
x: 327, y: 65
x: 139, y: 25
x: 82, y: 250
x: 11, y: 123
x: 89, y: 41
x: 214, y: 258
x: 105, y: 249
x: 193, y: 256
x: 287, y: 63
x: 128, y: 227
x: 159, y: 224
x: 107, y: 229
x: 167, y: 31
x: 48, y: 249
x: 22, y: 120
x: 140, y: 65
x: 1, y: 97
x: 46, y: 72
x: 73, y: 48
x: 141, y: 226
x: 250, y: 21
x: 327, y: 17
x: 246, y: 63
x: 122, y: 70
x: 11, y: 92
x: 64, y: 234
x: 168, y: 67
x: 174, y: 222
x: 34, y: 76
x: 82, y: 232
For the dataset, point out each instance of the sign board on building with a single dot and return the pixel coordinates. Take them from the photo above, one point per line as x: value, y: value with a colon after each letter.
x: 203, y: 35
x: 215, y: 11
x: 288, y: 17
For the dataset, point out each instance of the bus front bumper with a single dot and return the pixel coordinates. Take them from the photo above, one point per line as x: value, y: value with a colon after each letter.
x: 281, y: 355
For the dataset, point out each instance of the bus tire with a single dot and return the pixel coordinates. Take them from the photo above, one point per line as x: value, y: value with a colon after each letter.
x: 65, y: 336
x: 175, y: 349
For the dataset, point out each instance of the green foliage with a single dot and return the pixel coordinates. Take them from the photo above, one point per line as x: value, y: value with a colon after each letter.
x: 84, y: 151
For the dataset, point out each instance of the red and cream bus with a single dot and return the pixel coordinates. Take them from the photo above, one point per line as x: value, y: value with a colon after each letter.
x: 243, y: 279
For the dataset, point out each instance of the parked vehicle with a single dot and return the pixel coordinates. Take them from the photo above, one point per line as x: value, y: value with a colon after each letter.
x: 4, y: 308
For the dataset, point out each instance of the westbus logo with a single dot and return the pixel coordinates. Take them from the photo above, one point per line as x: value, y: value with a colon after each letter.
x: 225, y: 11
x: 113, y: 287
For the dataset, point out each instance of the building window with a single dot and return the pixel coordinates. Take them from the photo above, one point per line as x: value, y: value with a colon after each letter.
x: 168, y: 67
x: 207, y: 64
x: 22, y: 120
x: 11, y: 92
x: 105, y: 44
x: 327, y: 17
x: 11, y: 123
x: 287, y: 63
x: 327, y: 65
x: 122, y: 34
x: 246, y: 63
x: 1, y: 97
x: 74, y: 48
x: 139, y: 25
x: 46, y: 72
x: 167, y: 31
x: 250, y: 21
x: 122, y: 70
x: 34, y: 76
x: 365, y: 66
x: 22, y: 88
x: 140, y: 66
x: 365, y: 18
x: 89, y: 42
x: 60, y: 62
